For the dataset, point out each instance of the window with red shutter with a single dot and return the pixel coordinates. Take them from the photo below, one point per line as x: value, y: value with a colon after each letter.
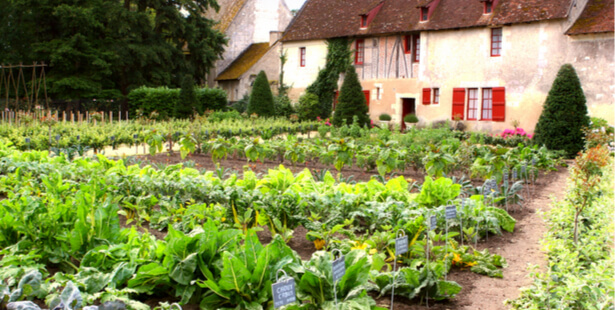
x: 436, y: 95
x: 416, y: 47
x: 335, y: 97
x: 366, y: 94
x: 459, y: 96
x: 488, y: 7
x: 424, y: 14
x: 302, y: 56
x: 472, y: 103
x: 426, y: 95
x: 496, y: 42
x: 363, y: 21
x: 499, y: 104
x: 359, y: 52
x: 487, y: 107
x: 408, y: 44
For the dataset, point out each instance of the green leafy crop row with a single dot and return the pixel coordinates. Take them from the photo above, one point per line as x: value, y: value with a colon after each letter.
x: 63, y: 216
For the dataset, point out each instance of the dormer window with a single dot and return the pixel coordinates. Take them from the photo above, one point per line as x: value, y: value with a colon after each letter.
x: 424, y: 14
x: 487, y: 7
x: 363, y: 21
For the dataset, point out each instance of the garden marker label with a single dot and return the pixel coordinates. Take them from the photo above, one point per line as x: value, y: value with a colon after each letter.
x: 27, y: 140
x: 283, y: 293
x: 78, y: 137
x: 514, y: 174
x: 523, y: 169
x: 112, y: 138
x: 135, y: 137
x: 505, y: 177
x: 339, y: 268
x: 401, y: 245
x: 433, y: 222
x: 534, y: 161
x: 451, y: 212
x: 57, y: 137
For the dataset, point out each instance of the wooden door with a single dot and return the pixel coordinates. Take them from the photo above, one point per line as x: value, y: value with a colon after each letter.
x: 408, y: 106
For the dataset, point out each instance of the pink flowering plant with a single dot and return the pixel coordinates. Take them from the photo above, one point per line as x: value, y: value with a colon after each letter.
x: 514, y: 133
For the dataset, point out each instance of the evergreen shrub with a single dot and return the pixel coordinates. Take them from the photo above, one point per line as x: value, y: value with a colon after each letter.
x: 261, y: 98
x: 308, y: 107
x: 564, y: 114
x: 351, y: 101
x: 163, y: 100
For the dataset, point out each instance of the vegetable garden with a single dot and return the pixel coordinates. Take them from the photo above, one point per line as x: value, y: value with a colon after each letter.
x: 77, y: 231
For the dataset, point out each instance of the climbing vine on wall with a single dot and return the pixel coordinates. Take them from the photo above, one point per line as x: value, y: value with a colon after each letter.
x: 338, y: 59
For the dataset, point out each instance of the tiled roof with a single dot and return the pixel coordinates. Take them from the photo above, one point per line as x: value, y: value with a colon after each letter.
x: 324, y: 19
x: 229, y: 15
x: 245, y: 61
x: 597, y: 17
x: 524, y: 11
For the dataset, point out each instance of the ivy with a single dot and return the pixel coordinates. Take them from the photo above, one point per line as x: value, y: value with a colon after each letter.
x: 338, y: 60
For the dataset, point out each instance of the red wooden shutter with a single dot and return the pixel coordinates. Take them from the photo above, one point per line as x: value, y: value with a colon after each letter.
x: 426, y: 95
x: 499, y: 104
x: 366, y: 93
x: 459, y: 95
x: 337, y: 94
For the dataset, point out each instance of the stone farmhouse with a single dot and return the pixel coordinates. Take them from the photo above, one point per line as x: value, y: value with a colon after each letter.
x: 484, y: 62
x: 253, y: 29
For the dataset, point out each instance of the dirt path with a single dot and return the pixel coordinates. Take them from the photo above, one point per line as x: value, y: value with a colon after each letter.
x: 521, y: 250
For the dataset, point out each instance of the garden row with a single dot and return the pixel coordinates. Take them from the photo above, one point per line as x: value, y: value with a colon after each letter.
x: 438, y: 152
x: 60, y: 233
x: 579, y: 243
x: 33, y: 134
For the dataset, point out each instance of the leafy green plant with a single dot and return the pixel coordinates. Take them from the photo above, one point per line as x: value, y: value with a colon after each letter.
x: 246, y: 275
x: 438, y: 192
x: 412, y: 282
x: 316, y: 284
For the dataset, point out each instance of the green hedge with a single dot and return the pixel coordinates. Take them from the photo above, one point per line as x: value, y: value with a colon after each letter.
x: 163, y: 100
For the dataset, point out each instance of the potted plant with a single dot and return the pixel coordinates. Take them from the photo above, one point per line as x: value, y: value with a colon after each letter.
x: 384, y: 119
x: 410, y: 120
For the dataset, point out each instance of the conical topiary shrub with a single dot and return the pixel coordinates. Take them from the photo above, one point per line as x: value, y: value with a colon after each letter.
x: 187, y: 98
x: 564, y: 114
x: 261, y: 98
x: 351, y: 101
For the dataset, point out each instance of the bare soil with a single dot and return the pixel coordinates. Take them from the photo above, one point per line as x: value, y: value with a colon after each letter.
x: 521, y: 249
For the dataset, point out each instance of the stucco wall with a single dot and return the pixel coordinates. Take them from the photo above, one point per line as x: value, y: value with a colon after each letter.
x: 297, y: 77
x: 593, y: 58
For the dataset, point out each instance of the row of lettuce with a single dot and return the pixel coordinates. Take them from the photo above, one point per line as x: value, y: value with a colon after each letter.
x: 60, y: 234
x: 581, y: 265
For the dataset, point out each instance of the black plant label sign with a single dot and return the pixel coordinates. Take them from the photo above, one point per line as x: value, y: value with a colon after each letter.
x: 339, y: 268
x: 401, y: 245
x: 283, y: 293
x: 433, y: 223
x: 451, y: 212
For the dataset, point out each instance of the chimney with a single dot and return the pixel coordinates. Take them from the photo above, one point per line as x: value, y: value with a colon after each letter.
x: 274, y: 36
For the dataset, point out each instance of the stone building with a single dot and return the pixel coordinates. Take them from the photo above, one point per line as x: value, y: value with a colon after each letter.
x: 253, y: 28
x: 484, y: 62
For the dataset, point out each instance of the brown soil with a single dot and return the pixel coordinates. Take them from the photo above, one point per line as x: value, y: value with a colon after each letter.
x: 521, y: 249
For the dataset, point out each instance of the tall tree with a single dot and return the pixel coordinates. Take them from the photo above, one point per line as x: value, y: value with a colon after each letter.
x: 564, y: 114
x: 103, y: 49
x: 351, y: 101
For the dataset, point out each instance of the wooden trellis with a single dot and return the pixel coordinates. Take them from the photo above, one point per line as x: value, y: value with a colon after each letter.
x: 9, y: 83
